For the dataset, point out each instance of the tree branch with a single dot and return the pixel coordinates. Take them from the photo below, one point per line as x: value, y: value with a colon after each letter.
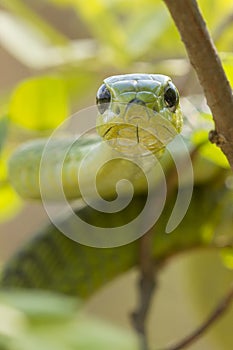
x: 215, y: 315
x: 205, y: 60
x: 147, y: 285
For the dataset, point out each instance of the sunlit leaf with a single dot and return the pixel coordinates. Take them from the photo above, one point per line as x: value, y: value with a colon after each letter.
x: 227, y: 257
x: 10, y: 203
x: 39, y: 103
x: 214, y: 154
x: 215, y: 10
x: 199, y: 137
x: 209, y: 150
x: 227, y: 59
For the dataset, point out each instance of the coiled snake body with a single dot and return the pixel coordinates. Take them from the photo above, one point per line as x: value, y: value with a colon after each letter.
x: 139, y: 114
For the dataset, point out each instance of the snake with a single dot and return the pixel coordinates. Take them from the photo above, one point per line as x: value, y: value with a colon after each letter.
x: 137, y: 116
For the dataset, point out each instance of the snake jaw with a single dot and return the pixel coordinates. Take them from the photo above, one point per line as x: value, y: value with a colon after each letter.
x: 139, y: 132
x: 135, y: 139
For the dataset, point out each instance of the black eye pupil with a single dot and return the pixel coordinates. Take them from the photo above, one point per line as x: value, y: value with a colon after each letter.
x: 170, y: 96
x: 103, y: 98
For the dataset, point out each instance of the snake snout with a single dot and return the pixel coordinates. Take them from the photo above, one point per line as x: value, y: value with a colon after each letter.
x: 136, y: 113
x: 136, y: 101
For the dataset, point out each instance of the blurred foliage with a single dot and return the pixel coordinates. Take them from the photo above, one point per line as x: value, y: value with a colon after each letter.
x: 48, y: 105
x: 116, y: 37
x: 207, y: 289
x: 3, y: 131
x: 63, y: 73
x: 208, y: 150
x: 227, y: 254
x: 10, y: 203
x: 40, y: 320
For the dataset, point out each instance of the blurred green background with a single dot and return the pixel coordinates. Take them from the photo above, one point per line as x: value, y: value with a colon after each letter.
x: 53, y: 57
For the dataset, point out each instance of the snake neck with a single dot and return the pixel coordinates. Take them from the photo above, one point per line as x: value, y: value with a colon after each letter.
x: 107, y: 167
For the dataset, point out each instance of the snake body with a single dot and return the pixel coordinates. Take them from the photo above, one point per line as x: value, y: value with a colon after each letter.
x: 51, y: 261
x: 139, y: 114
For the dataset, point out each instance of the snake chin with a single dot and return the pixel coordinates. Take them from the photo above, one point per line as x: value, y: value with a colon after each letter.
x: 139, y: 130
x: 134, y: 140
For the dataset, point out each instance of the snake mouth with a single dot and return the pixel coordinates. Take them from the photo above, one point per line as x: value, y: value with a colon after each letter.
x: 135, y: 139
x: 138, y: 129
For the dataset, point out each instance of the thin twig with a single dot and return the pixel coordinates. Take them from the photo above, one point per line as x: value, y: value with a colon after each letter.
x: 205, y: 60
x: 146, y: 288
x: 217, y: 34
x: 147, y: 265
x: 214, y: 316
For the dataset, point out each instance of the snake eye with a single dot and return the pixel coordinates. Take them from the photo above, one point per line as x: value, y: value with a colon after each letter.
x: 103, y: 98
x: 171, y: 97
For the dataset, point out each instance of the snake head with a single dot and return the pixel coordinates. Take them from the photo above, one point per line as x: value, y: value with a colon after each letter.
x: 138, y: 113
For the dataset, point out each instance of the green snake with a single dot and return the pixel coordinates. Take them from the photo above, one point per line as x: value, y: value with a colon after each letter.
x: 138, y: 115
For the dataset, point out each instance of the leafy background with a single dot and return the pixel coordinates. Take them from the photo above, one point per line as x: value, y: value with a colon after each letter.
x: 54, y: 54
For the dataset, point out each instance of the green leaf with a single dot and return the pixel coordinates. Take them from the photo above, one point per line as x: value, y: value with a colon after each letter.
x: 65, y: 328
x: 227, y: 257
x: 215, y: 10
x: 208, y: 150
x: 39, y: 103
x: 10, y: 203
x: 103, y: 336
x: 227, y: 59
x: 214, y: 154
x: 49, y: 306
